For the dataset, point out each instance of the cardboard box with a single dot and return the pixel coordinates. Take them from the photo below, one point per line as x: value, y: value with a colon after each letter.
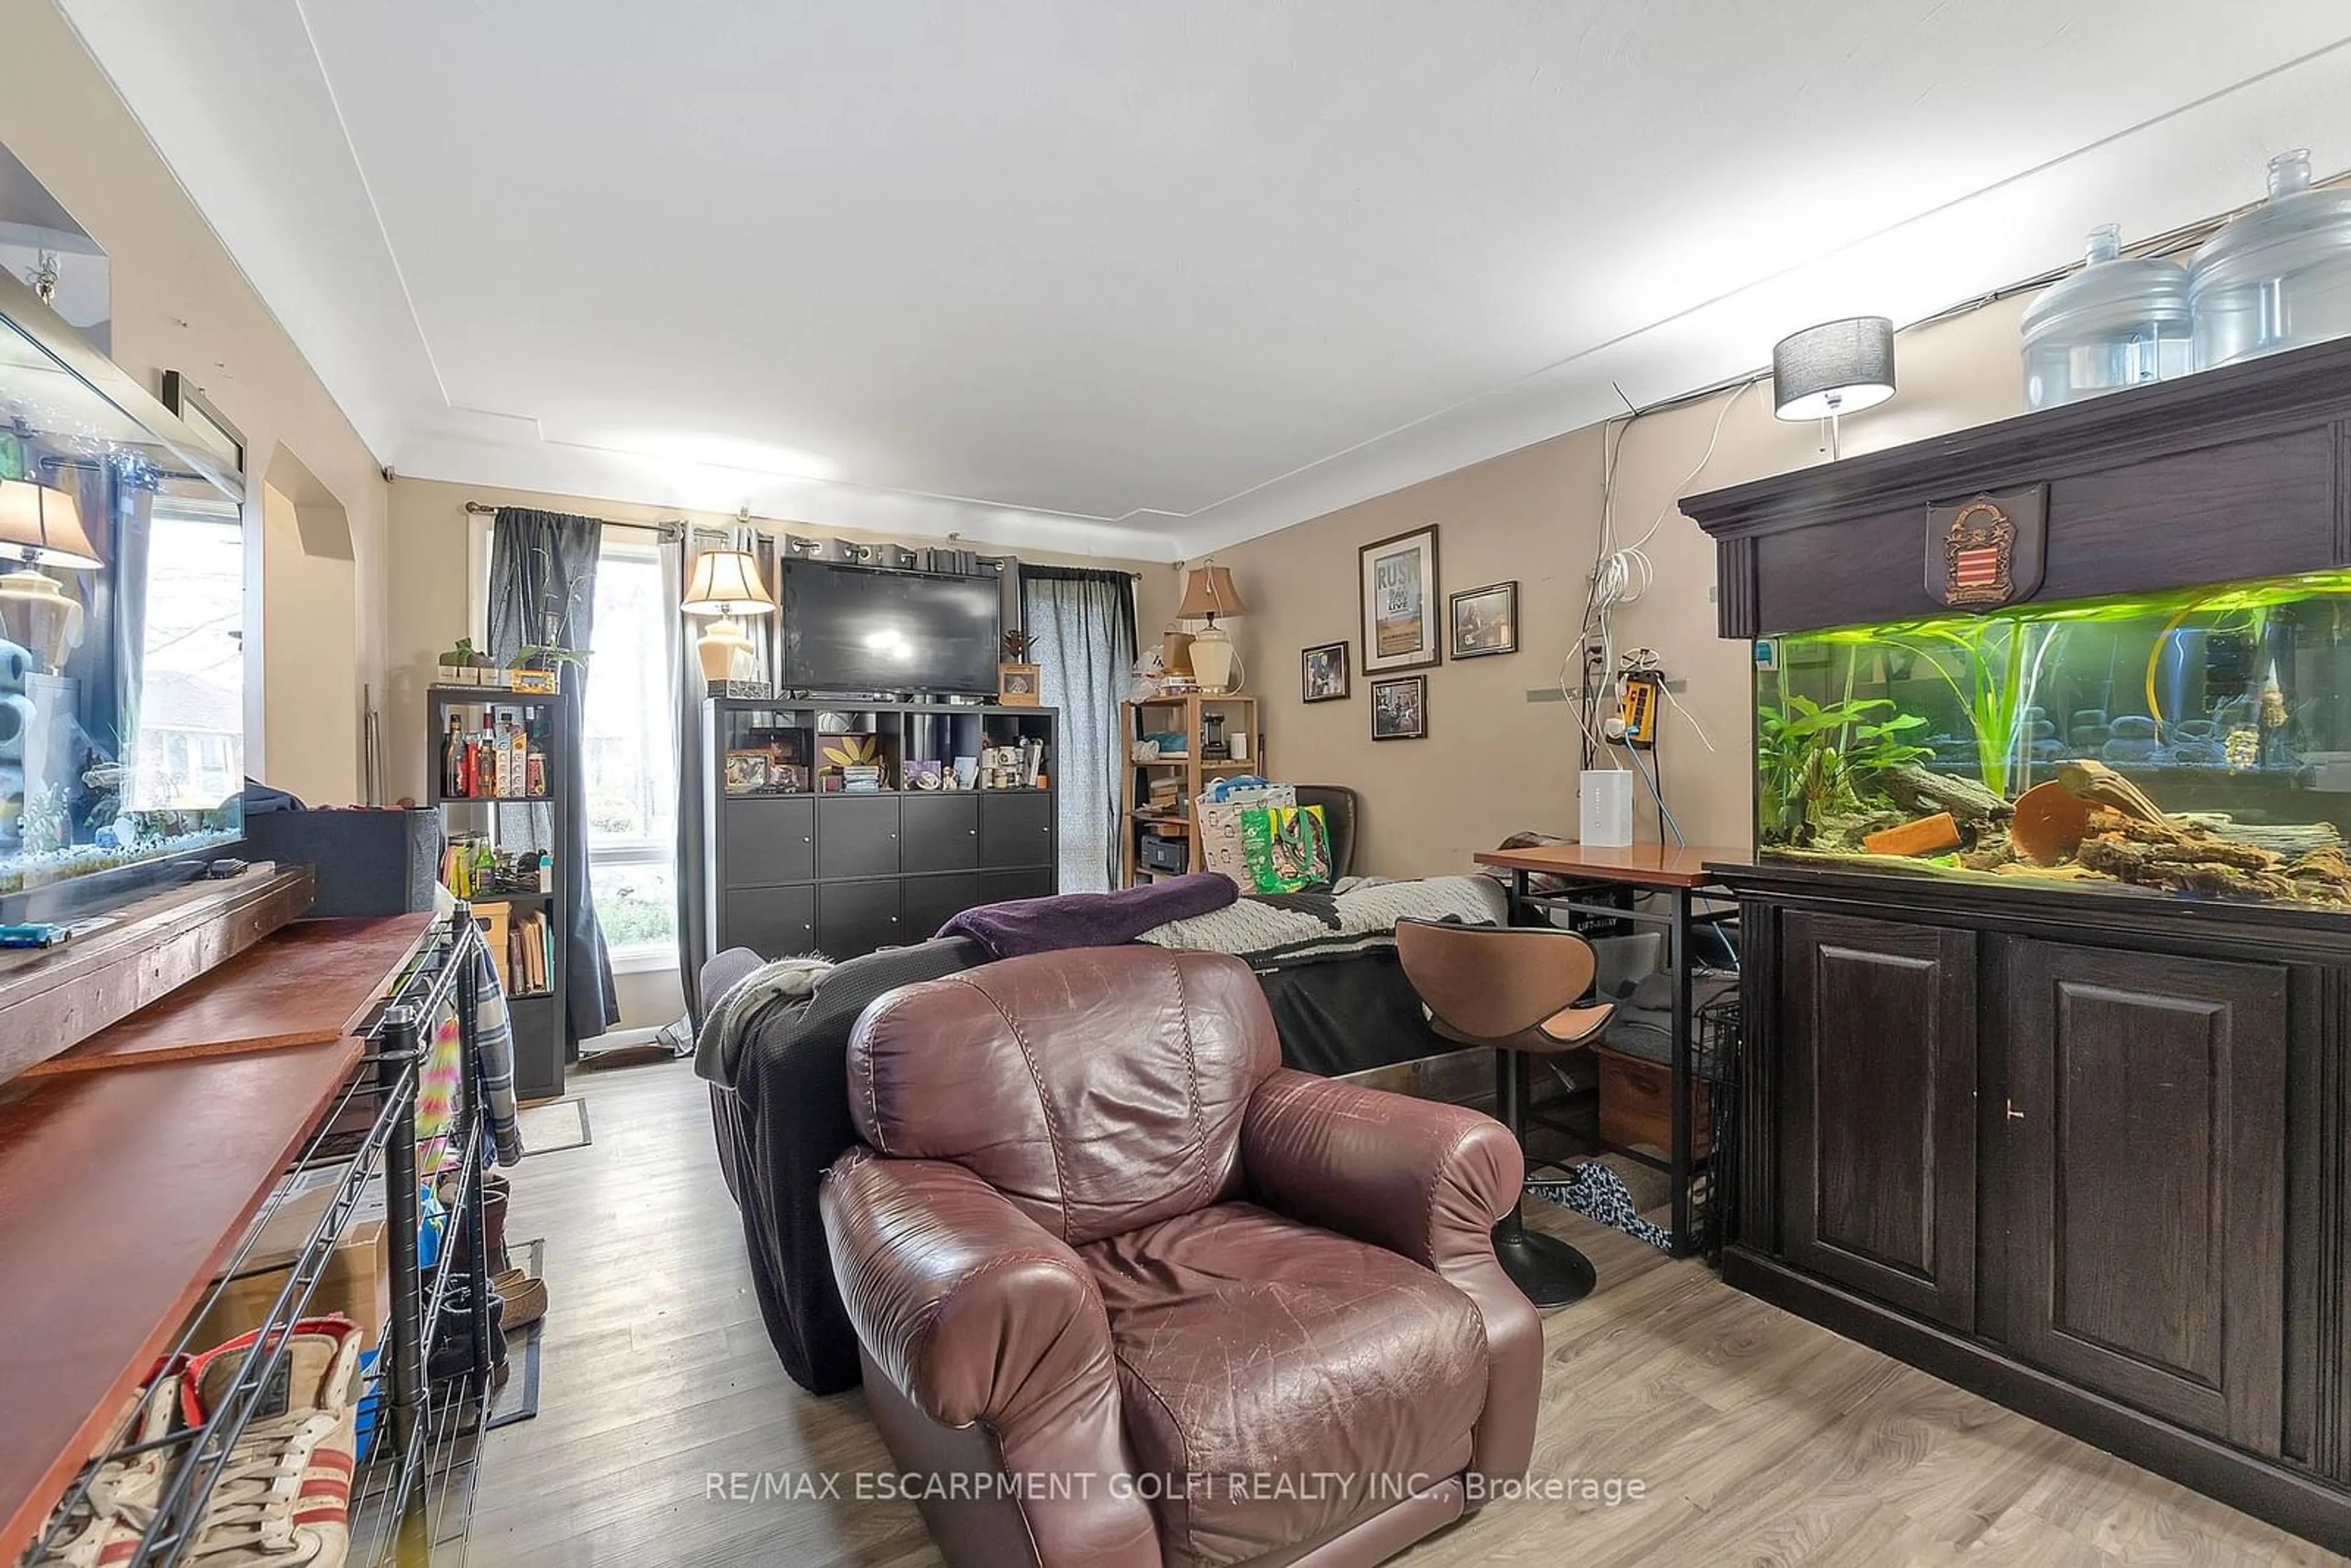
x: 356, y: 1281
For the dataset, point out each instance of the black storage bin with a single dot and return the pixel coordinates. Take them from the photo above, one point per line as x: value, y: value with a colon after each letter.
x: 367, y: 863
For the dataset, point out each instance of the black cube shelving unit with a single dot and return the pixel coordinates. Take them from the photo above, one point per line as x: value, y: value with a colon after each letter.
x: 798, y: 869
x: 542, y: 1043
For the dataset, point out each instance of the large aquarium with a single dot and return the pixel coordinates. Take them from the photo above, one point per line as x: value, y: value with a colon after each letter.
x: 122, y: 575
x: 2193, y: 744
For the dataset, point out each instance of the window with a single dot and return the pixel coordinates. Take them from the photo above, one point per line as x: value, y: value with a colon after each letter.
x: 190, y: 738
x: 630, y: 756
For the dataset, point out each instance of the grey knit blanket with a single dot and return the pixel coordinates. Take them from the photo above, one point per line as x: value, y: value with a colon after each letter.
x: 721, y: 1039
x: 1293, y: 928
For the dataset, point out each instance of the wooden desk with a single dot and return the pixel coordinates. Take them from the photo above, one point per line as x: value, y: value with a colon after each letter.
x: 1640, y: 865
x: 1686, y: 875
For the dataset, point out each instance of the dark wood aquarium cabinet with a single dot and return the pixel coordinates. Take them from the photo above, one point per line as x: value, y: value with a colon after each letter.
x: 2048, y: 967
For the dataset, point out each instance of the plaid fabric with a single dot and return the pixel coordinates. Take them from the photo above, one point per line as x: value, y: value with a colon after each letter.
x: 494, y: 1054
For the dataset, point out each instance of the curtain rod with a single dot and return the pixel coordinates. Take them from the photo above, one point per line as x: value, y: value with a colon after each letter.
x: 676, y: 530
x: 671, y: 529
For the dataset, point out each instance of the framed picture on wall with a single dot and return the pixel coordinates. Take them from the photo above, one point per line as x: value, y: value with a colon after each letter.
x: 1485, y: 620
x: 1401, y: 615
x: 1400, y: 708
x: 1322, y: 673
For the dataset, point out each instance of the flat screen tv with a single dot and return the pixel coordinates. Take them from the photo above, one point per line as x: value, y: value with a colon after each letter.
x: 861, y: 629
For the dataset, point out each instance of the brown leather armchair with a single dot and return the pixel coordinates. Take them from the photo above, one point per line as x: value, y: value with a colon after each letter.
x: 1129, y: 1293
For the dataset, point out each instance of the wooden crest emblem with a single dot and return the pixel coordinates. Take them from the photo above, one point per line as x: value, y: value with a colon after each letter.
x: 1988, y: 551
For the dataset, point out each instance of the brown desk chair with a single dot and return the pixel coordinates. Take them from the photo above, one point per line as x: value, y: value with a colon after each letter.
x: 1514, y: 990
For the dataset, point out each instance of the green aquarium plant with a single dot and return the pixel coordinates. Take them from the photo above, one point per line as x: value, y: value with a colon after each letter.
x: 1816, y: 758
x: 1992, y: 666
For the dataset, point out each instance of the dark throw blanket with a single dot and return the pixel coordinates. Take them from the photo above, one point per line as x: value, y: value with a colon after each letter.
x: 1090, y: 919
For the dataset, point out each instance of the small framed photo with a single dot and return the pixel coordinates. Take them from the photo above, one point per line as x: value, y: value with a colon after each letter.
x: 1322, y: 673
x: 1400, y: 708
x: 1485, y: 620
x: 746, y: 772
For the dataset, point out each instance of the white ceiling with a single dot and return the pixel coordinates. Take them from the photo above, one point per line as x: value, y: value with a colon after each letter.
x: 1146, y: 278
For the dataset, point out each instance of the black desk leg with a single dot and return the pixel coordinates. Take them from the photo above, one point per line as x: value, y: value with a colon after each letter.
x: 1678, y: 956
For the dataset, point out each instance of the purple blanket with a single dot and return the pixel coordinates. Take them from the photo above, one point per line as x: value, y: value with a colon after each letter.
x: 1090, y: 919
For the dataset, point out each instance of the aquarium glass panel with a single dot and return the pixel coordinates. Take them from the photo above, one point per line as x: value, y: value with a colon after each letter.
x: 123, y: 609
x: 2192, y: 745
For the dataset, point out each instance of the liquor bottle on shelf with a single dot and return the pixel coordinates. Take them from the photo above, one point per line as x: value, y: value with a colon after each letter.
x: 453, y: 759
x: 486, y: 758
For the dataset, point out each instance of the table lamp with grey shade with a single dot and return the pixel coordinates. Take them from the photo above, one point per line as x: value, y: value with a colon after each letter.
x: 1833, y: 369
x: 1208, y: 593
x: 726, y: 585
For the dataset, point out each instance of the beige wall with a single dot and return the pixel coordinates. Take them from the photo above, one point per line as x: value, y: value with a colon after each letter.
x: 1496, y: 762
x: 180, y: 303
x: 309, y: 661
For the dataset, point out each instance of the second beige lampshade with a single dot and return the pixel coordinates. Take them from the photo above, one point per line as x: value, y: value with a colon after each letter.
x: 1209, y: 592
x: 726, y: 585
x: 41, y: 525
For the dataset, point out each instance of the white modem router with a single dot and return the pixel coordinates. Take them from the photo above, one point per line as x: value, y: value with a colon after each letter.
x: 1606, y: 797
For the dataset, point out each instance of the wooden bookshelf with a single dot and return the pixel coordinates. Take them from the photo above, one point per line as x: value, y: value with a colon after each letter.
x: 1192, y: 773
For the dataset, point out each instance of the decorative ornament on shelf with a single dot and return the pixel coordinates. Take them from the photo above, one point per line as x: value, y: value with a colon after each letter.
x: 726, y: 584
x: 1209, y: 592
x: 852, y: 750
x: 1019, y: 682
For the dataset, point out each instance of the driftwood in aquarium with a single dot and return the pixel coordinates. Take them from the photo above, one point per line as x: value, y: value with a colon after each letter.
x: 2285, y: 837
x: 2102, y: 786
x: 1923, y: 792
x: 2172, y: 856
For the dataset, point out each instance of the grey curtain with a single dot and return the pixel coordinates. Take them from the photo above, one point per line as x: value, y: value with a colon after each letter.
x: 117, y: 498
x: 1083, y: 623
x: 543, y: 593
x: 692, y: 886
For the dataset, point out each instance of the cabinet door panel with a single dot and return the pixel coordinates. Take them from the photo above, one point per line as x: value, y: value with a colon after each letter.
x: 854, y: 918
x: 773, y: 922
x: 2147, y: 1129
x: 1016, y: 828
x: 1004, y: 886
x: 1879, y: 1052
x: 930, y: 902
x: 939, y: 832
x: 767, y: 840
x: 857, y: 835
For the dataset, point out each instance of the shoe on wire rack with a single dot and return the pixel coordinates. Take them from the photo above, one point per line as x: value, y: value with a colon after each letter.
x: 284, y: 1497
x: 524, y: 1296
x: 124, y: 1493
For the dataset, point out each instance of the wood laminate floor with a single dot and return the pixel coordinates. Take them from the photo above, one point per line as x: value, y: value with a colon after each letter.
x: 1760, y: 1439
